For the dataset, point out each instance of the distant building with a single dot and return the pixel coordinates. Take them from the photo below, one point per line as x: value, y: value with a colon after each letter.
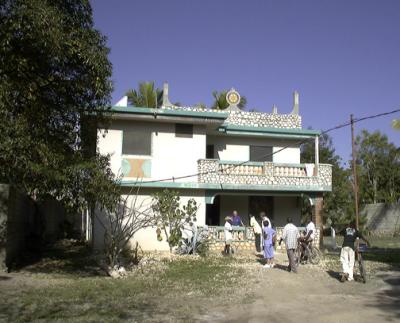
x: 225, y: 159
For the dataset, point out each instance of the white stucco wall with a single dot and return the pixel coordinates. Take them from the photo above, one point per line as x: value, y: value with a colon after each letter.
x: 147, y: 238
x: 170, y: 155
x: 110, y: 142
x: 238, y: 148
x: 284, y: 207
x: 287, y: 155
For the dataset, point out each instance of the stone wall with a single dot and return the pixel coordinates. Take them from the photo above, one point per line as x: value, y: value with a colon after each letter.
x: 246, y: 242
x: 382, y: 219
x: 253, y: 119
x: 210, y: 171
x: 16, y: 211
x: 25, y: 225
x: 265, y: 120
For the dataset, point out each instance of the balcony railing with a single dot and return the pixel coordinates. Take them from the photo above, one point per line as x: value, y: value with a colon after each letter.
x: 264, y: 173
x: 243, y: 237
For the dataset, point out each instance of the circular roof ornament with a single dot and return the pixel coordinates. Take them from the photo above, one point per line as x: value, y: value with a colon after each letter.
x: 233, y: 97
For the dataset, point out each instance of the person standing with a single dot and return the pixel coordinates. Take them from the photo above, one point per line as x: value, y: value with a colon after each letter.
x: 236, y: 219
x: 269, y: 239
x: 290, y: 235
x: 350, y: 234
x: 263, y: 216
x: 310, y: 232
x: 257, y: 232
x: 228, y: 235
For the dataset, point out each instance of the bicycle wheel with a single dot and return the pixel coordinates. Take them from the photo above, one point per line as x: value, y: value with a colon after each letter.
x: 315, y: 255
x: 363, y: 271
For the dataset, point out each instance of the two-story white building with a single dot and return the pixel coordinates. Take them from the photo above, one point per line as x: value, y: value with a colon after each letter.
x: 225, y: 159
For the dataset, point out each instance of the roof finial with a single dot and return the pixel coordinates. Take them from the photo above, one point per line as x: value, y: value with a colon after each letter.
x: 233, y: 99
x: 295, y: 103
x: 166, y: 102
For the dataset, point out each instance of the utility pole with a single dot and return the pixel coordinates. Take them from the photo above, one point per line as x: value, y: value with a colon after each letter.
x: 355, y: 183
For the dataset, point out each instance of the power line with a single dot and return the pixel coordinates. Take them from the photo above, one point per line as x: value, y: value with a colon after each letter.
x: 343, y: 125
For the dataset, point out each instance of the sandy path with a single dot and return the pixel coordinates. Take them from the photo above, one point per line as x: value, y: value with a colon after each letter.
x: 314, y: 295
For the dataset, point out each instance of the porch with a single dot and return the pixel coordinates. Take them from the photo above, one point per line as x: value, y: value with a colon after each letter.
x: 243, y: 238
x: 278, y: 207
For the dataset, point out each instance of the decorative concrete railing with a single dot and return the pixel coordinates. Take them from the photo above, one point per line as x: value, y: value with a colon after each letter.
x: 264, y: 173
x: 244, y: 239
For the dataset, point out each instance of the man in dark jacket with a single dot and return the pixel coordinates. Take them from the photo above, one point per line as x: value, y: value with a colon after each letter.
x: 350, y: 235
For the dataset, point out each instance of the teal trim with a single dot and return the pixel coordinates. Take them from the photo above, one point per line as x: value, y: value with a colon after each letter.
x: 223, y: 187
x: 211, y: 194
x: 268, y: 132
x: 170, y: 112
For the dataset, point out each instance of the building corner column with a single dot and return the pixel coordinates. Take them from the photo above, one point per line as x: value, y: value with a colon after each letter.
x: 317, y: 217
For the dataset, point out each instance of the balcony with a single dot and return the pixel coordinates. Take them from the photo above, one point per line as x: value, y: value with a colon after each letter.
x: 276, y: 175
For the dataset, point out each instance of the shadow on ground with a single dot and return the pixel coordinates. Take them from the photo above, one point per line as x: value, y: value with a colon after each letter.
x: 67, y: 257
x: 387, y: 298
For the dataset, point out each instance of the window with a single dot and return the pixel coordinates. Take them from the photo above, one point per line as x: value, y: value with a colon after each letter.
x: 261, y: 153
x: 136, y: 142
x: 184, y: 130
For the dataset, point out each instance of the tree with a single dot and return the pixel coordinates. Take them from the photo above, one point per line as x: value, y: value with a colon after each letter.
x: 396, y: 124
x: 338, y: 204
x: 170, y: 217
x: 146, y: 96
x: 121, y: 223
x: 54, y: 88
x: 220, y: 102
x: 379, y: 164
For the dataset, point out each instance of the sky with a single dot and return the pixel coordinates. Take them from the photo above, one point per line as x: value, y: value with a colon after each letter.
x: 342, y: 56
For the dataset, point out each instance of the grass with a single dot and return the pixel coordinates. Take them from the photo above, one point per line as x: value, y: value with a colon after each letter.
x: 183, y: 285
x: 66, y: 286
x: 384, y: 242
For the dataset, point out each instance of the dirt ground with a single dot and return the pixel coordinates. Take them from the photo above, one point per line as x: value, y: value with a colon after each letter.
x: 315, y: 294
x: 272, y: 295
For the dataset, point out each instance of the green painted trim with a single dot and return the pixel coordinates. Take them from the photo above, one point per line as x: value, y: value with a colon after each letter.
x: 223, y: 187
x: 170, y: 112
x: 268, y: 132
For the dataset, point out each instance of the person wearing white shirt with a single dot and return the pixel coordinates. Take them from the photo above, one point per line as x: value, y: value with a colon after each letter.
x: 228, y: 235
x: 310, y: 231
x: 257, y: 232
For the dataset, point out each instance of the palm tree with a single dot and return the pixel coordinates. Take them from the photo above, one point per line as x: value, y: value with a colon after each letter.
x: 396, y: 124
x: 146, y: 96
x: 220, y: 102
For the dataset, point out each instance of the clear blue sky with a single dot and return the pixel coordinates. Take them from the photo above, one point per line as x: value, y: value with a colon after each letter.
x: 342, y: 56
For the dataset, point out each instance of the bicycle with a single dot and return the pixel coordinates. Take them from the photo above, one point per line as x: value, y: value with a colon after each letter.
x: 360, y: 248
x: 306, y: 253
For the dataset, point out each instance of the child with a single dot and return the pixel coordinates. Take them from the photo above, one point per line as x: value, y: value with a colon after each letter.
x: 228, y: 235
x: 269, y: 236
